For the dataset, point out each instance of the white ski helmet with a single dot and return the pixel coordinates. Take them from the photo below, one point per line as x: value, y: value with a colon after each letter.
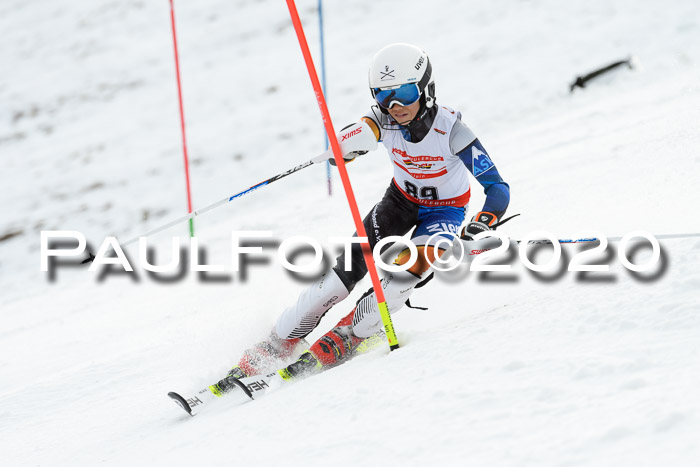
x: 401, y: 73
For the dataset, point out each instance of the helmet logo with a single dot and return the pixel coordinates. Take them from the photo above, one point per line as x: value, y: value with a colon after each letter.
x: 386, y: 74
x: 420, y: 62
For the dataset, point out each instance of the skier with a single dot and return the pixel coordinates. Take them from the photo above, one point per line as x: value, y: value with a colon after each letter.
x: 432, y: 152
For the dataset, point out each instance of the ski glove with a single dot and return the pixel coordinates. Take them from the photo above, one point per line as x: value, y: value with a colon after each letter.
x: 355, y: 140
x: 482, y: 222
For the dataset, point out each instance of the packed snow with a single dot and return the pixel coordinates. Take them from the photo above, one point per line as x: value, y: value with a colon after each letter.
x: 502, y: 369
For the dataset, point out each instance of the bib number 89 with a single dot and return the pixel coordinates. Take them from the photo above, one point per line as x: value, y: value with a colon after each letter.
x: 426, y: 192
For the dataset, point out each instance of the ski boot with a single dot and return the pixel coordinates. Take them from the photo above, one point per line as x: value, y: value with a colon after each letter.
x: 334, y: 348
x: 306, y: 365
x: 259, y: 359
x: 267, y: 355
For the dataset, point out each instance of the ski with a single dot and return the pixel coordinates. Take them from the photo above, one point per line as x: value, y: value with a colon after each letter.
x: 249, y: 387
x: 245, y: 387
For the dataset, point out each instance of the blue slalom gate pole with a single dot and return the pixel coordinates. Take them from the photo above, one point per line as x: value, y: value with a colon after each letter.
x: 323, y: 86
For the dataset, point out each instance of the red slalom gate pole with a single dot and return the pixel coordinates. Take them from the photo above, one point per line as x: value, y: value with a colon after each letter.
x: 340, y: 163
x: 182, y: 118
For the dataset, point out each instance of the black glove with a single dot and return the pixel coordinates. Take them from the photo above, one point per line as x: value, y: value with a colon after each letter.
x: 482, y: 222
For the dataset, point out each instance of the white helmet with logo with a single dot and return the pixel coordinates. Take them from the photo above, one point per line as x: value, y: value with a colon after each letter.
x: 401, y: 73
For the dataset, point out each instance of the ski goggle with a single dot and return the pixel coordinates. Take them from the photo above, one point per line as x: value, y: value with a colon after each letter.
x: 404, y: 95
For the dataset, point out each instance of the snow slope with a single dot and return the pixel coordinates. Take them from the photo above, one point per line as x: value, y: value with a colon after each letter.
x: 566, y: 370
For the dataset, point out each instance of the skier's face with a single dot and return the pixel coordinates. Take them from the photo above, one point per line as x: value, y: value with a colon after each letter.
x: 404, y: 114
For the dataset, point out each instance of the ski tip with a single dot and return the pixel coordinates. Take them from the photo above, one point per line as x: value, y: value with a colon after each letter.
x: 243, y: 387
x: 179, y: 400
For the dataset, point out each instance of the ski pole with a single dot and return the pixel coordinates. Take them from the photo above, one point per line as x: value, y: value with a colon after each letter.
x: 610, y: 239
x: 479, y: 246
x: 320, y: 158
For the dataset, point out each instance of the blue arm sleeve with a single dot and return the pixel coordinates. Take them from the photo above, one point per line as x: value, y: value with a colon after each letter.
x: 484, y: 170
